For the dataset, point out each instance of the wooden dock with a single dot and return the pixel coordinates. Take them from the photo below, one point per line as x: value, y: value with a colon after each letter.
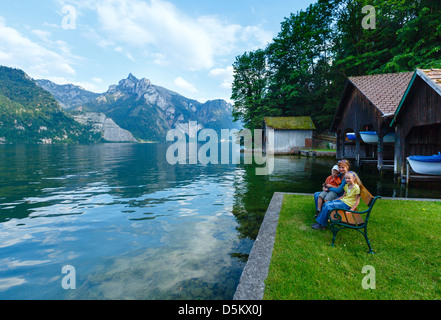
x: 314, y: 153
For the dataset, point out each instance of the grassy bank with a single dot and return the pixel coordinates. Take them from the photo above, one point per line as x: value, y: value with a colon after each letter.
x: 405, y: 235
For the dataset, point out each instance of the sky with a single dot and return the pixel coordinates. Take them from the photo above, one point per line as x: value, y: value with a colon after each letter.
x: 188, y: 46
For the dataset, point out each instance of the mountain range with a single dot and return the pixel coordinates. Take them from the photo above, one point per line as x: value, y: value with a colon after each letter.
x: 134, y: 110
x: 143, y: 109
x: 68, y: 95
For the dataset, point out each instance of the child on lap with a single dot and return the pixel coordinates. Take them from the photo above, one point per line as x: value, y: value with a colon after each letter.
x: 333, y: 181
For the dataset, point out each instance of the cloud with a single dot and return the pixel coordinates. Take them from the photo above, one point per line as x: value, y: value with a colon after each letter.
x: 164, y: 30
x: 226, y: 76
x: 43, y: 35
x: 19, y: 51
x: 158, y: 25
x: 183, y: 84
x: 130, y: 57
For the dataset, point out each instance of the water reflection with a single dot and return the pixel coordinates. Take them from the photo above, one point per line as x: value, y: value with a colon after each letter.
x: 133, y: 226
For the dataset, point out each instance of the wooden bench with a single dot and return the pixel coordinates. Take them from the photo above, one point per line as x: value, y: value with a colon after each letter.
x: 341, y: 219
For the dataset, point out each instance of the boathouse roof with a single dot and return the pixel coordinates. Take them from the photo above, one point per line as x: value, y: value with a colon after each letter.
x: 435, y: 77
x: 290, y: 123
x: 384, y: 91
x: 430, y: 76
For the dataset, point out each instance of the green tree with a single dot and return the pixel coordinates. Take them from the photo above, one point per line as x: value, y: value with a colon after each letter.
x: 419, y: 38
x: 249, y: 89
x: 304, y: 69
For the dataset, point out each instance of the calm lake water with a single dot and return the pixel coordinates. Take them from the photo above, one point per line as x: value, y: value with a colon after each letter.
x: 135, y: 227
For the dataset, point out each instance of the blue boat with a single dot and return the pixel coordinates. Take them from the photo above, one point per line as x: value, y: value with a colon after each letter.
x: 428, y: 165
x: 371, y: 137
x: 351, y: 136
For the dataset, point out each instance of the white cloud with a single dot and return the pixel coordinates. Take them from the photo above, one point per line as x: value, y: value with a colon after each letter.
x: 43, y: 35
x: 159, y: 59
x: 94, y: 85
x: 159, y: 27
x: 226, y: 76
x: 130, y: 57
x: 19, y: 51
x: 183, y: 84
x: 88, y: 86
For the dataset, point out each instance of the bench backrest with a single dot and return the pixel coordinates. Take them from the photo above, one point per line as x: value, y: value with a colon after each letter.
x: 366, y: 196
x: 353, y: 218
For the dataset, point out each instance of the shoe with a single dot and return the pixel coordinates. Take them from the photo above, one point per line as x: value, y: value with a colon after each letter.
x: 318, y: 226
x: 317, y: 214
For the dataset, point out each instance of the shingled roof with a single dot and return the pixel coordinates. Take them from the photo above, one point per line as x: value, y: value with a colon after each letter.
x: 384, y: 91
x: 431, y: 76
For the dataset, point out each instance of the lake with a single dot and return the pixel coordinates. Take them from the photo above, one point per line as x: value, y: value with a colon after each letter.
x: 133, y: 226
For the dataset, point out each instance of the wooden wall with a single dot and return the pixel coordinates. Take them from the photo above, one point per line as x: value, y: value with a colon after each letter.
x: 419, y: 121
x: 418, y: 124
x: 356, y: 113
x: 286, y: 140
x: 424, y: 140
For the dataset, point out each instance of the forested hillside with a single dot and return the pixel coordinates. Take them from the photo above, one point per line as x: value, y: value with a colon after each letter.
x: 29, y: 114
x: 304, y: 69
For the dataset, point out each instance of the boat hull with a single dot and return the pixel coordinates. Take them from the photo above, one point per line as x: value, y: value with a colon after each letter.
x: 351, y: 136
x: 372, y: 138
x: 389, y: 138
x: 426, y: 168
x: 369, y: 138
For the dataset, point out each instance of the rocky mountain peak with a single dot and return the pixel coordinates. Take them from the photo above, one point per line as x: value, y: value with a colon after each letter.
x: 148, y: 111
x: 132, y: 85
x: 130, y: 82
x: 132, y: 77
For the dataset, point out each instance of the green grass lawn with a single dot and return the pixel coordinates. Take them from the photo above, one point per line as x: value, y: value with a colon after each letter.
x: 406, y: 238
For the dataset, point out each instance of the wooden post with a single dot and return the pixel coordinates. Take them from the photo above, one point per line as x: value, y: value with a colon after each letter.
x: 343, y: 137
x: 397, y: 151
x: 337, y: 153
x: 380, y: 151
x: 357, y: 150
x: 407, y: 173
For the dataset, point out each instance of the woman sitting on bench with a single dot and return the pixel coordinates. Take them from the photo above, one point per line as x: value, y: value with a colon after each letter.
x: 343, y: 167
x: 349, y: 201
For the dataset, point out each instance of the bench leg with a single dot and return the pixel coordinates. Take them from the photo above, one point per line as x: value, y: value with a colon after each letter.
x: 368, y: 242
x: 333, y: 239
x: 334, y: 234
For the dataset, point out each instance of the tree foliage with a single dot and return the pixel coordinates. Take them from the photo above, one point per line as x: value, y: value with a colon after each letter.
x: 29, y: 114
x: 304, y: 69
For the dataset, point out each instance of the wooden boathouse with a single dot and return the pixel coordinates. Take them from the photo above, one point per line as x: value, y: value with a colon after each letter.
x: 369, y: 104
x: 288, y: 133
x: 405, y: 105
x: 417, y: 120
